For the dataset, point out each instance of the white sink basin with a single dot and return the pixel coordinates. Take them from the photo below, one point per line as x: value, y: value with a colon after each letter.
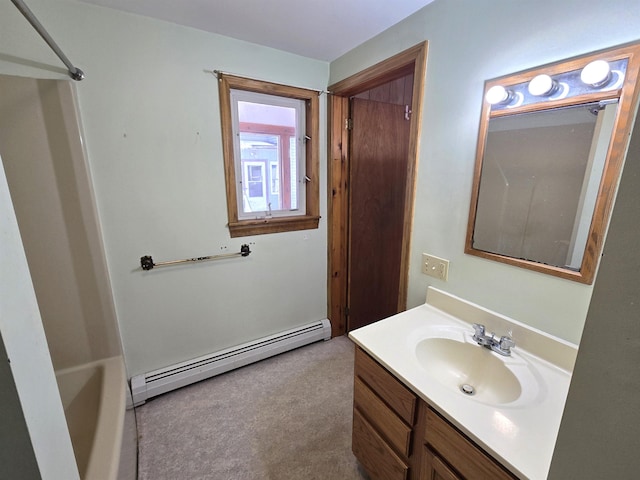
x: 452, y: 359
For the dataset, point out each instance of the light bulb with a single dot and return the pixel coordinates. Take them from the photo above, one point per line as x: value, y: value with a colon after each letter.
x: 497, y: 94
x: 596, y: 73
x: 542, y: 85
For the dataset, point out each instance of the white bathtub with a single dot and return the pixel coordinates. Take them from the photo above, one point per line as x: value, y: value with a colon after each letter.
x: 93, y: 397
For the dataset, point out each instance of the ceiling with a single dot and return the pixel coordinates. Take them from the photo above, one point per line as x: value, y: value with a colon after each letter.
x: 320, y: 29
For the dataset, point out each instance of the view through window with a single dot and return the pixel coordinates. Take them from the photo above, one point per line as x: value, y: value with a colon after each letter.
x: 270, y: 144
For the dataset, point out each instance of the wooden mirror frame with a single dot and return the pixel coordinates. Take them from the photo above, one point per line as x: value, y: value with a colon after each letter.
x: 627, y: 103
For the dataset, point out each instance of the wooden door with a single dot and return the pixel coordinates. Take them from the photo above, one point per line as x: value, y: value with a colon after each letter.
x: 435, y: 469
x: 378, y: 177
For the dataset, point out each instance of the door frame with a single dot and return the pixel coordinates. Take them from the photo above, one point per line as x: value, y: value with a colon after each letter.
x: 412, y: 60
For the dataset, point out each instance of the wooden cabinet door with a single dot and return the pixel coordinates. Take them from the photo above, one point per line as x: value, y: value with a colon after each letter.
x: 435, y: 469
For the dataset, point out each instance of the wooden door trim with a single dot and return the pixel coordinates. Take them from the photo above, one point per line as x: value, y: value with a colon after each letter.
x: 412, y: 60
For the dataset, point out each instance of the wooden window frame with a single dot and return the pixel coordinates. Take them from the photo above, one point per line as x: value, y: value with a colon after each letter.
x: 260, y: 226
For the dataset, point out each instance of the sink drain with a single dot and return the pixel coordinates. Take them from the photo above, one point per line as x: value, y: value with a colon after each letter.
x: 467, y: 389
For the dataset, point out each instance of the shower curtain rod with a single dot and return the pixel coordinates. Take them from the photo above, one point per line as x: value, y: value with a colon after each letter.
x: 219, y: 73
x: 74, y: 72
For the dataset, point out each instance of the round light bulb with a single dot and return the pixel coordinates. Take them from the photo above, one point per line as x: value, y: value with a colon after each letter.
x: 542, y: 85
x: 596, y: 73
x: 497, y: 94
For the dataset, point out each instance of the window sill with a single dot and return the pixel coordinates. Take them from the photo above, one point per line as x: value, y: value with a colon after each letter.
x: 262, y: 226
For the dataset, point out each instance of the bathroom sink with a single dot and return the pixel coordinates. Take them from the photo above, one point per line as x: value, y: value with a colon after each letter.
x: 477, y: 372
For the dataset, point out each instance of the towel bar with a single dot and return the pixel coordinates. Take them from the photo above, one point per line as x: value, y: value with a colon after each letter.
x: 147, y: 262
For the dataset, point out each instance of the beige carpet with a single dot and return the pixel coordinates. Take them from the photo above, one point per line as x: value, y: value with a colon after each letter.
x: 285, y: 418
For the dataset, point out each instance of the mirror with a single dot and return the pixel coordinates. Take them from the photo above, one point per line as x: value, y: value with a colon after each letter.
x: 537, y: 205
x: 550, y: 150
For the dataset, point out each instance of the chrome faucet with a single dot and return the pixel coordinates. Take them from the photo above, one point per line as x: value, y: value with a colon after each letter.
x: 502, y: 346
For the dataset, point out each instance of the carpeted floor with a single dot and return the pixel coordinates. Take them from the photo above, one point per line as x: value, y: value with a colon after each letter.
x: 285, y: 418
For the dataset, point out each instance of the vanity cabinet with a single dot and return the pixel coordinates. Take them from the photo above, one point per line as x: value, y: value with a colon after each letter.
x: 397, y: 436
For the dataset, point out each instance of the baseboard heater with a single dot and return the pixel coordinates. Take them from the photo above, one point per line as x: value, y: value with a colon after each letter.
x: 160, y: 381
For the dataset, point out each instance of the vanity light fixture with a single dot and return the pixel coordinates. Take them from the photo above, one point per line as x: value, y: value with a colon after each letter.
x: 596, y: 73
x: 498, y: 95
x: 553, y: 85
x: 582, y: 85
x: 542, y: 86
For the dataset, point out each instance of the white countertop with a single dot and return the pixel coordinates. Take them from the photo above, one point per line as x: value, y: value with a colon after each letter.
x: 521, y: 436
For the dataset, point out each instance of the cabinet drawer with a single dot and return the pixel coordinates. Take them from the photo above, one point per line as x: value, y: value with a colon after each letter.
x: 397, y: 396
x: 470, y: 461
x: 377, y: 458
x: 390, y: 425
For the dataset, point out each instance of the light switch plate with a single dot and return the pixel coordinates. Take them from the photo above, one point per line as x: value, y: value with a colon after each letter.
x: 435, y: 266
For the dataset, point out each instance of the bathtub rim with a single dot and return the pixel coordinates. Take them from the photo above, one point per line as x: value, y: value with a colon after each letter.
x: 104, y: 459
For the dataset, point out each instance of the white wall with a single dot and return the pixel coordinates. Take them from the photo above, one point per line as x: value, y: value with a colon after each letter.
x: 149, y: 106
x: 471, y: 41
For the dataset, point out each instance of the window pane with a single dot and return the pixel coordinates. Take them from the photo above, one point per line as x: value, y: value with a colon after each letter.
x: 256, y: 152
x: 267, y: 114
x: 268, y: 132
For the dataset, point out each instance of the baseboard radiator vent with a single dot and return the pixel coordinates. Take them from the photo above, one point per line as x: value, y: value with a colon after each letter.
x: 154, y: 383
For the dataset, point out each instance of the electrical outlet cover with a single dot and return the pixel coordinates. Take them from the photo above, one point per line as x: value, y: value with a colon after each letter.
x: 435, y: 266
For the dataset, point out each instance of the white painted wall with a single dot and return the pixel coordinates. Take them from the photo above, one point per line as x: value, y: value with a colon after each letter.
x: 471, y: 41
x: 149, y: 106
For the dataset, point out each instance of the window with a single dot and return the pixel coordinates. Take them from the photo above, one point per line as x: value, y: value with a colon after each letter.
x: 271, y: 151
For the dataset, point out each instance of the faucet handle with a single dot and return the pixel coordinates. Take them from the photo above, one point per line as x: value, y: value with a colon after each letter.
x: 506, y: 343
x: 479, y: 328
